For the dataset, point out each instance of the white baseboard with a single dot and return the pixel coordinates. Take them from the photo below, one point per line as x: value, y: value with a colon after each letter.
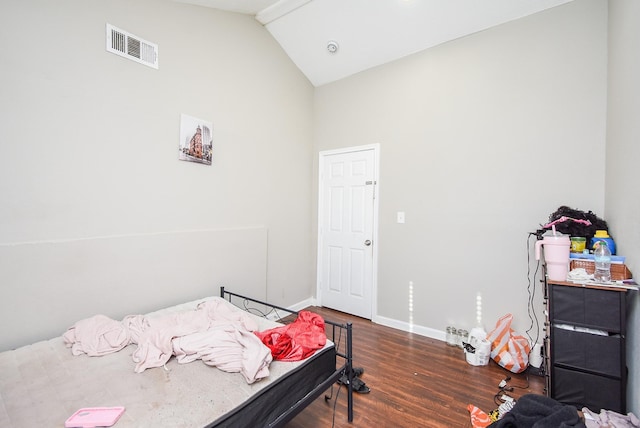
x: 388, y: 322
x: 304, y: 304
x: 411, y: 328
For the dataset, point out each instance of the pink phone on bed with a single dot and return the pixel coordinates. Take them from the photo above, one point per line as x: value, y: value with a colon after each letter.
x: 91, y: 417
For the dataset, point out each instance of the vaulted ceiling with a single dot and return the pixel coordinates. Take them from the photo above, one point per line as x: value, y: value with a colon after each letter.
x: 332, y: 39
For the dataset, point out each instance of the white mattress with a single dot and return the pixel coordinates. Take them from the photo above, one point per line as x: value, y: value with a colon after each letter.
x: 41, y: 385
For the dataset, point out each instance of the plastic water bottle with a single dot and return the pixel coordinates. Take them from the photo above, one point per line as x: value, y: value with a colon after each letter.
x: 602, y: 258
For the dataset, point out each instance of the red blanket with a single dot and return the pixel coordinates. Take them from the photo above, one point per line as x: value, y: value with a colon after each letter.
x: 298, y: 340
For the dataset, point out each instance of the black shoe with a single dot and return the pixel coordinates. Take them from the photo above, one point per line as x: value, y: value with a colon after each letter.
x: 357, y: 371
x: 358, y: 386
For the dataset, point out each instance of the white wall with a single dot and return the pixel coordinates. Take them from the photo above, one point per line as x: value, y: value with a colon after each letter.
x: 481, y: 140
x: 88, y: 161
x: 623, y: 133
x: 54, y: 284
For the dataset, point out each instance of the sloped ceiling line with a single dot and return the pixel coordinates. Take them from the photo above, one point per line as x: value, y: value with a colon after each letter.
x: 371, y: 32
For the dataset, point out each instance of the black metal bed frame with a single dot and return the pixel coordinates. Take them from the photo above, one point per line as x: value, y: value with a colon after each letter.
x: 337, y: 329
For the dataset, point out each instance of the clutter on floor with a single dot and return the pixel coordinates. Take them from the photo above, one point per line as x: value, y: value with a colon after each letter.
x: 540, y: 411
x: 607, y: 418
x: 358, y: 385
x: 577, y: 249
x: 508, y: 349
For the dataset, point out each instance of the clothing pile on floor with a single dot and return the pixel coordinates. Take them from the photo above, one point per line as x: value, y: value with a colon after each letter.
x: 539, y: 411
x: 607, y: 418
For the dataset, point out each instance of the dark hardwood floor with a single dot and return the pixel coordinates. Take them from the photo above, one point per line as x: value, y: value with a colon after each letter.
x: 415, y: 381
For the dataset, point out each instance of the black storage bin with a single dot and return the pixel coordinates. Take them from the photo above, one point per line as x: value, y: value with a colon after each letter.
x: 588, y: 307
x: 587, y: 346
x: 592, y: 352
x: 587, y: 390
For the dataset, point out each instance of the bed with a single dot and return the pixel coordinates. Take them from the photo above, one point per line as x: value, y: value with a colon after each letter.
x: 43, y: 384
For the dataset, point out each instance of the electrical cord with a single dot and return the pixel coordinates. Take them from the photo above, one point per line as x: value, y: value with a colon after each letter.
x: 531, y: 290
x: 503, y: 400
x: 330, y: 396
x: 509, y: 388
x: 335, y: 402
x: 521, y: 387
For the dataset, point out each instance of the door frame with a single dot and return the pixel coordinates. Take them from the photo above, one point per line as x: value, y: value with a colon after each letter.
x: 322, y: 155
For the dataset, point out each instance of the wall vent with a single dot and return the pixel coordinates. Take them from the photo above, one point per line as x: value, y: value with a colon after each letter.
x: 127, y: 45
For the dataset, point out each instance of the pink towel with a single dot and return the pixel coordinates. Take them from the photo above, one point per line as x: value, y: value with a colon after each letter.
x: 96, y: 336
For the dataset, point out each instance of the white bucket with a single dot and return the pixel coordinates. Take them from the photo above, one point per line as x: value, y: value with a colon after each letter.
x: 482, y: 354
x: 535, y: 356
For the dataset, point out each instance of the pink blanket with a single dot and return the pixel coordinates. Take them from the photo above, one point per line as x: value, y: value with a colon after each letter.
x: 215, y: 333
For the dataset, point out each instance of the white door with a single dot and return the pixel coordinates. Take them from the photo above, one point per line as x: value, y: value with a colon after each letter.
x: 346, y: 223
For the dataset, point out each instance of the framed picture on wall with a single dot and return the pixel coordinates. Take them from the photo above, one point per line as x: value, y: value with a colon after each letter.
x: 196, y: 140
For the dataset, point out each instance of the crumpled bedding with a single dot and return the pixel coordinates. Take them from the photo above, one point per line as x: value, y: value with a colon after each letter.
x: 97, y: 336
x: 214, y: 332
x: 298, y: 340
x: 227, y: 348
x: 43, y: 383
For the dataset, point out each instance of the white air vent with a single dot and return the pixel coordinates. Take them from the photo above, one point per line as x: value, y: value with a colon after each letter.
x: 130, y: 46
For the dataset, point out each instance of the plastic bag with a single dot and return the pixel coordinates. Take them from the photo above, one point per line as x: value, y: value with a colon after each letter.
x: 509, y: 350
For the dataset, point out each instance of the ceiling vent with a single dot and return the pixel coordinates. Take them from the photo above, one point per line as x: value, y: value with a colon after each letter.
x: 132, y: 47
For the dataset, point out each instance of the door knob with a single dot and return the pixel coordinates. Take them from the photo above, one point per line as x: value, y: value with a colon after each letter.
x: 367, y: 242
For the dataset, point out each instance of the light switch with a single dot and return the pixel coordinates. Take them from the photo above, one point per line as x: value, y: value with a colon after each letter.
x: 400, y: 217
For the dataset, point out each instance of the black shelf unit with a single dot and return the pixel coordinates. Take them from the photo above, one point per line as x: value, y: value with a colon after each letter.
x: 585, y: 349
